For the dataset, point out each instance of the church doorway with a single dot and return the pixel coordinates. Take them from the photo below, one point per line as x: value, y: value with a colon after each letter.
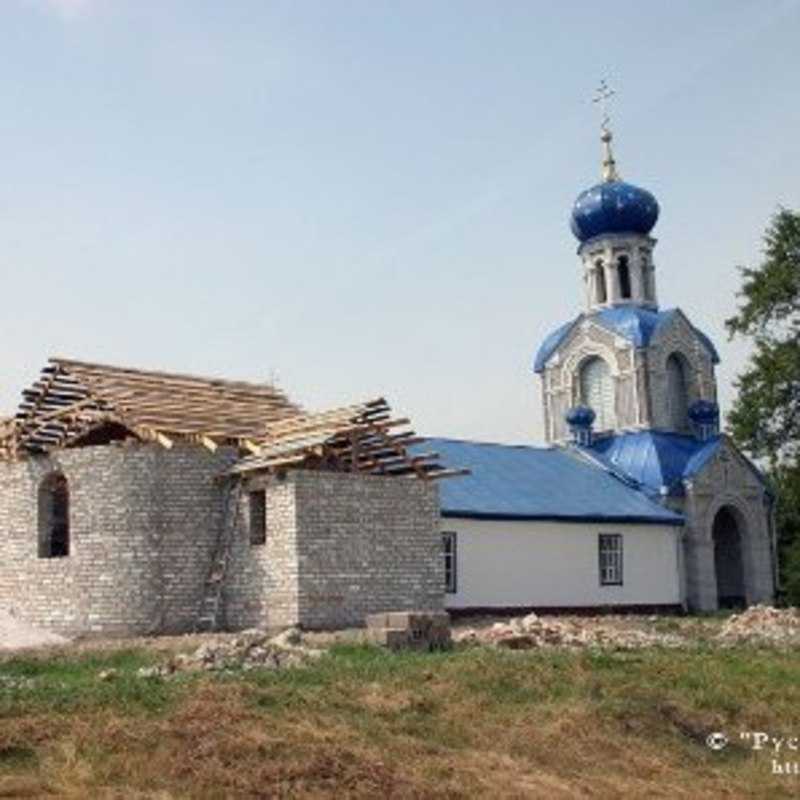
x: 727, y: 535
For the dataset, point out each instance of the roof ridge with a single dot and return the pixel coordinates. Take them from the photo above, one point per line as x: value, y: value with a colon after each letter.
x: 540, y: 448
x: 66, y: 363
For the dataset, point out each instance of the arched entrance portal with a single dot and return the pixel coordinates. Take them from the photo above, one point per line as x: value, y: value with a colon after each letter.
x: 727, y: 534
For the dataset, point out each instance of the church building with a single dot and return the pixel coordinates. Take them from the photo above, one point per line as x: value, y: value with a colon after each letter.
x: 135, y: 501
x: 637, y: 500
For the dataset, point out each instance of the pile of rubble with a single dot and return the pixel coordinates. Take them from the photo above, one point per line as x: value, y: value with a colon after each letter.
x: 762, y: 624
x: 248, y: 650
x: 532, y: 631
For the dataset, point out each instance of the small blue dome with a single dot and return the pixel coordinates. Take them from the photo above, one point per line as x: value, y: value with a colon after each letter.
x: 613, y: 207
x: 580, y: 417
x: 704, y: 412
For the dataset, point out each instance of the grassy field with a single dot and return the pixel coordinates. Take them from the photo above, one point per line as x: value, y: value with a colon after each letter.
x: 362, y: 722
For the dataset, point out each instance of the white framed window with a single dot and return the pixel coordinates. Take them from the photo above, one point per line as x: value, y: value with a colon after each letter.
x: 449, y: 548
x: 610, y: 558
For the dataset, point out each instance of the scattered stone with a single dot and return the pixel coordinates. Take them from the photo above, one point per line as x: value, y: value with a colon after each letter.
x: 107, y: 674
x: 252, y: 649
x: 11, y: 683
x: 153, y: 672
x: 762, y: 624
x: 533, y: 631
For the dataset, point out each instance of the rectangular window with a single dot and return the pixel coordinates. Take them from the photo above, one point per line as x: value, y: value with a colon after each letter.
x: 54, y: 517
x: 258, y: 517
x: 450, y: 563
x: 610, y: 551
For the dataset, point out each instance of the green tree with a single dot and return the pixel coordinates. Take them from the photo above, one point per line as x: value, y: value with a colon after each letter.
x: 765, y: 419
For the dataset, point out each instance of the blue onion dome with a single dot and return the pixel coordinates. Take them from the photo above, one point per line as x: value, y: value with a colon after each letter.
x: 704, y: 412
x: 580, y: 417
x: 613, y: 206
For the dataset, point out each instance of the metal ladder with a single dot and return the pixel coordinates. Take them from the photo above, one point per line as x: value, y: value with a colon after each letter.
x: 208, y: 616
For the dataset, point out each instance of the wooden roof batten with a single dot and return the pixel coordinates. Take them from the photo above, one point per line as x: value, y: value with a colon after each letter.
x: 74, y: 400
x: 357, y: 438
x: 71, y: 398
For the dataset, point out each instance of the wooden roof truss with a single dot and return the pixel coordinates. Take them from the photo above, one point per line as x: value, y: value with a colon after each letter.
x: 71, y: 399
x: 76, y: 402
x: 359, y: 438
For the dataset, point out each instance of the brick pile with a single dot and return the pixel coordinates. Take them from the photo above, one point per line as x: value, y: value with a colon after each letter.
x: 409, y: 630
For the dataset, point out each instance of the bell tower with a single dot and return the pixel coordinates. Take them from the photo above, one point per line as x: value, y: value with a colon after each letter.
x: 634, y: 365
x: 612, y: 221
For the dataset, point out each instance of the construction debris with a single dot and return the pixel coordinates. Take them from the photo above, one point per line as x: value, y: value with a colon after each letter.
x: 532, y: 631
x: 762, y: 624
x: 253, y: 649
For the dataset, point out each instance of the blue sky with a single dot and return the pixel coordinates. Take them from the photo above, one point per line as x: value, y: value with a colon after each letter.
x: 371, y: 198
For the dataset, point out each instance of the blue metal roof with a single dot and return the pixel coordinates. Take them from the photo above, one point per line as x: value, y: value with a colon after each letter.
x: 517, y: 482
x: 658, y: 461
x: 551, y: 343
x: 636, y: 323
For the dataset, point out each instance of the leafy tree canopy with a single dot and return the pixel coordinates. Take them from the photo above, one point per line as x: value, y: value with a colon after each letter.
x: 765, y: 418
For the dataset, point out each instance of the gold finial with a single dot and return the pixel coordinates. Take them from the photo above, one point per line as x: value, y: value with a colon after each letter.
x: 603, y: 94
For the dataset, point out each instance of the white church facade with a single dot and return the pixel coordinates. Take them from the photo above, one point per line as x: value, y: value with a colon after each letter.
x: 637, y: 500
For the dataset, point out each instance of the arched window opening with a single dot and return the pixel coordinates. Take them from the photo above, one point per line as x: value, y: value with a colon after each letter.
x: 600, y: 281
x: 597, y: 391
x: 624, y: 272
x: 645, y: 279
x: 54, y: 517
x: 677, y: 393
x: 726, y: 533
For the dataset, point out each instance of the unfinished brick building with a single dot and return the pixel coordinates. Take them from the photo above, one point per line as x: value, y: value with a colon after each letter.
x: 144, y: 502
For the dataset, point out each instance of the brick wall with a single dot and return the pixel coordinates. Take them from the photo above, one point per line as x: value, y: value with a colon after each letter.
x: 365, y: 545
x: 144, y: 522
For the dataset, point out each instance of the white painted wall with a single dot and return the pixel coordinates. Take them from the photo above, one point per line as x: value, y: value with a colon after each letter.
x: 509, y: 563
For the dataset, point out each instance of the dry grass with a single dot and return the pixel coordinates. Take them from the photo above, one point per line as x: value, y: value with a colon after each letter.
x: 364, y: 723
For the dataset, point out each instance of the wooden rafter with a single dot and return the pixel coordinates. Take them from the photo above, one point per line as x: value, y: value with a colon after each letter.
x: 76, y: 402
x: 356, y: 438
x: 72, y: 397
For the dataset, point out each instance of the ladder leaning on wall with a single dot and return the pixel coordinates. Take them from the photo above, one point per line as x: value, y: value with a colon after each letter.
x: 208, y: 616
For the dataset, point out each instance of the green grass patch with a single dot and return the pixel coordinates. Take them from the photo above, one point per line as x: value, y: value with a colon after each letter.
x: 64, y: 684
x: 364, y: 722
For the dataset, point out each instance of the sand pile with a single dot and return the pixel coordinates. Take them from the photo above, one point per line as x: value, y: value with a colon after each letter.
x: 533, y: 631
x: 762, y: 624
x: 16, y: 635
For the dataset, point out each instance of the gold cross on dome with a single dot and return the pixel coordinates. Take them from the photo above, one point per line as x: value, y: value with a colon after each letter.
x: 602, y: 95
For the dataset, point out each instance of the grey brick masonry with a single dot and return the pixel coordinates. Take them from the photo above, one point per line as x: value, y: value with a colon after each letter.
x: 144, y: 522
